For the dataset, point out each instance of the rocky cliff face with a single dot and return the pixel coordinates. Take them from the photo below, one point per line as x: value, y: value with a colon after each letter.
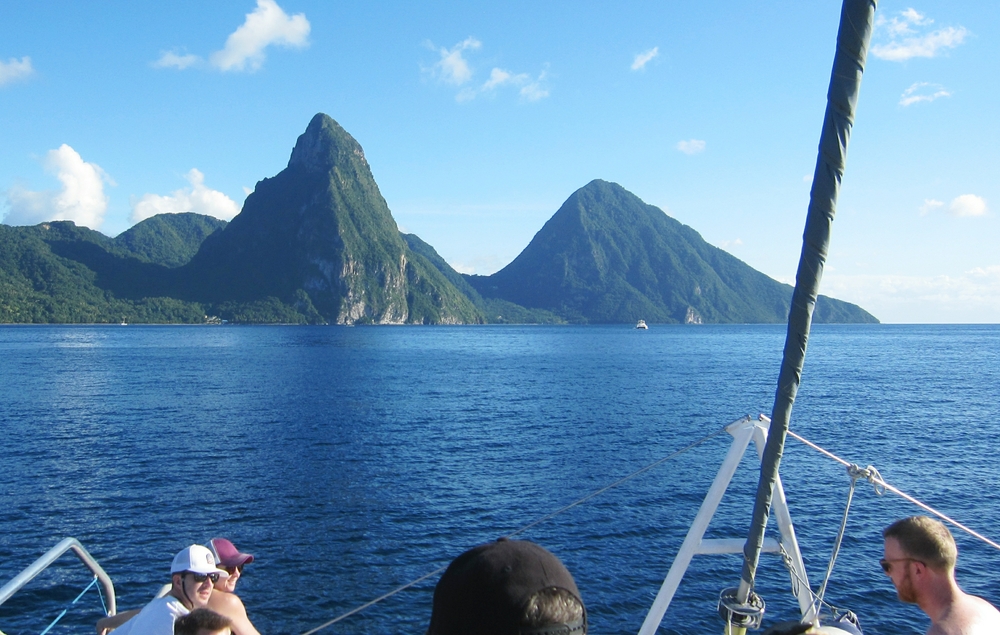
x: 322, y: 226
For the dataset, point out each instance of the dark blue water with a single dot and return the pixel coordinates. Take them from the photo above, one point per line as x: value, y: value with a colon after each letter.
x: 353, y: 460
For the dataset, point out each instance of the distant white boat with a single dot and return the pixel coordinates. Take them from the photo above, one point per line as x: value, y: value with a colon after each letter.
x: 641, y: 325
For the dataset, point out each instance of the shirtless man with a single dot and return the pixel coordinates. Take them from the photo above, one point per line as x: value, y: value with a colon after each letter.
x: 920, y: 556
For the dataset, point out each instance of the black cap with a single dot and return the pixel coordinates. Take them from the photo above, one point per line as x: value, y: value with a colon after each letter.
x: 484, y: 590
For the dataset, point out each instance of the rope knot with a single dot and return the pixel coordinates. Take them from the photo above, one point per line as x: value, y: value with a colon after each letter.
x: 876, y: 479
x: 870, y: 474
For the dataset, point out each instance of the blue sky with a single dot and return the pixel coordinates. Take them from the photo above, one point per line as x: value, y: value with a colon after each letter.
x: 479, y: 119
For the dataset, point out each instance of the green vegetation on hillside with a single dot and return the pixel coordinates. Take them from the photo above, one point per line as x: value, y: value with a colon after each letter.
x: 322, y: 227
x: 317, y: 244
x: 170, y: 240
x: 42, y: 281
x: 606, y: 256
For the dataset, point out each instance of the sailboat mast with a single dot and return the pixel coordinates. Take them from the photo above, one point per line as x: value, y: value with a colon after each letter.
x: 856, y: 21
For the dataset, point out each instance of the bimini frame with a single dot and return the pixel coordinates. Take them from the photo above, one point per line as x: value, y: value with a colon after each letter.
x: 743, y: 431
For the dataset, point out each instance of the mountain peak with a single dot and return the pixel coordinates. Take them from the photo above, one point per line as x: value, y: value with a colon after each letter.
x: 607, y: 256
x: 325, y: 145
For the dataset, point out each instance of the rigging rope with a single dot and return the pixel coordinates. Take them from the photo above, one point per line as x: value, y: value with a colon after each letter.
x: 70, y: 605
x: 798, y: 582
x: 617, y: 483
x: 855, y: 473
x: 876, y: 479
x: 100, y: 593
x: 523, y: 529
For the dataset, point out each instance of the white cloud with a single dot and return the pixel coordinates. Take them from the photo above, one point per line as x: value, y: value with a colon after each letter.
x: 500, y: 77
x: 971, y: 296
x: 692, y: 146
x: 453, y: 68
x: 726, y: 244
x: 14, y: 70
x: 968, y: 205
x: 268, y: 24
x: 929, y: 206
x: 642, y: 59
x: 534, y: 91
x: 482, y: 264
x: 197, y: 198
x: 922, y: 91
x: 530, y: 90
x: 170, y: 59
x: 903, y: 23
x: 81, y: 199
x: 906, y: 41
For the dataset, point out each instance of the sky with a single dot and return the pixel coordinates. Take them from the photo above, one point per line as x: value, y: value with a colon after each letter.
x: 479, y: 119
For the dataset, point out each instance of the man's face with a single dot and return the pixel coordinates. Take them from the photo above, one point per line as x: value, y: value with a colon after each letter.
x: 899, y: 564
x: 224, y: 631
x: 198, y: 589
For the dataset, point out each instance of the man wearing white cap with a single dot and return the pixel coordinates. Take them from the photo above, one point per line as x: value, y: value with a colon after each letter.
x: 192, y: 575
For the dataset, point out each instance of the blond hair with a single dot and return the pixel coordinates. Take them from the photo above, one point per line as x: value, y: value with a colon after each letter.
x: 925, y: 539
x: 554, y: 606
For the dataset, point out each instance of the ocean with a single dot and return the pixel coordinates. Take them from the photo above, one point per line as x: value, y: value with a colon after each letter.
x: 351, y: 461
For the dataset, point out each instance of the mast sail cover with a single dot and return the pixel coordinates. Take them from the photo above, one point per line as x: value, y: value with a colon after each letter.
x: 856, y: 20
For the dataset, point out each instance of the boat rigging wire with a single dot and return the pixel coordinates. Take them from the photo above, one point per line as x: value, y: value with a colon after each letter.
x: 798, y: 582
x: 525, y: 528
x: 70, y: 605
x: 855, y: 473
x: 616, y: 483
x: 876, y: 479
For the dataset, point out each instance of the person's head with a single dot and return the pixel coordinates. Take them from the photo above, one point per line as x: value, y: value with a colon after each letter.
x: 918, y: 551
x: 506, y: 588
x: 192, y: 575
x: 203, y: 622
x: 926, y: 540
x: 228, y: 557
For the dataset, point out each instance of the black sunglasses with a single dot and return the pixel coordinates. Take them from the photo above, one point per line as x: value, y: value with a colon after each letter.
x: 201, y: 577
x: 887, y: 563
x: 238, y: 567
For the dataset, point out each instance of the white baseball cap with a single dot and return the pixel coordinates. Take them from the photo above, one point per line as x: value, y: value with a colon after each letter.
x: 196, y: 559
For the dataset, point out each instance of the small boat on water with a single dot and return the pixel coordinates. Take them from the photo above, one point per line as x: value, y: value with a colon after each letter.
x: 641, y: 325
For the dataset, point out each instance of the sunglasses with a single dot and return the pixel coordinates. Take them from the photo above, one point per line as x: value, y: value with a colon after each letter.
x: 233, y: 570
x: 887, y: 563
x: 201, y: 577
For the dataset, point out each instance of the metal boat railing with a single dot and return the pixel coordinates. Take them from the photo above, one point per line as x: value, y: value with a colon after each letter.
x: 53, y: 554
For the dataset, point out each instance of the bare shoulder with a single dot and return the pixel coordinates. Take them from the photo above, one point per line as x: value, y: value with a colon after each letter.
x: 228, y: 604
x: 971, y: 615
x: 986, y: 614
